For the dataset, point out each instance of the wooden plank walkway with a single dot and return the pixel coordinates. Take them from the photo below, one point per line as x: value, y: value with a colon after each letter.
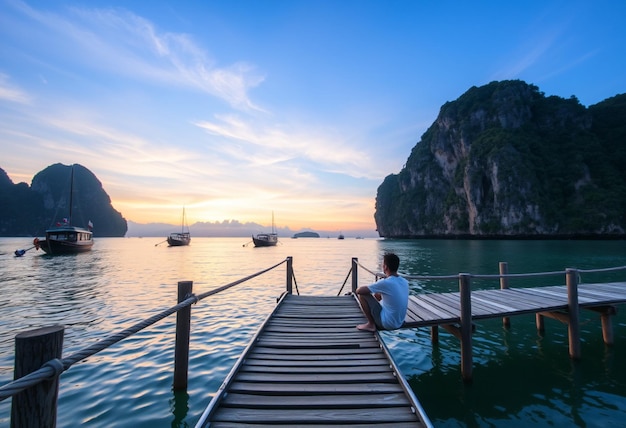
x: 429, y: 309
x: 310, y: 366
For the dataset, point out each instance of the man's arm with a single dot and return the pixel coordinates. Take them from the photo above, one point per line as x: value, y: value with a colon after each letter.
x: 364, y: 289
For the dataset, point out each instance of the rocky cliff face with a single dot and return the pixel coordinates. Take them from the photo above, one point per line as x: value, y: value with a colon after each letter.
x: 505, y: 161
x: 29, y: 211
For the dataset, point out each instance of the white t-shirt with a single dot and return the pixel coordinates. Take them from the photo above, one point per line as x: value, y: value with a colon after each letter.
x: 395, y: 293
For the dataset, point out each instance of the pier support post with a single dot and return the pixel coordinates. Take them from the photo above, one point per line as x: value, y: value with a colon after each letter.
x: 355, y: 277
x: 434, y: 334
x: 37, y: 405
x: 289, y: 279
x: 539, y: 322
x: 466, y: 326
x: 183, y: 328
x: 504, y: 284
x: 573, y: 326
x: 607, y: 325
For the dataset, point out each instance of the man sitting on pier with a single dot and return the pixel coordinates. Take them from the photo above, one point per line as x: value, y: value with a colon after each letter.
x: 384, y: 303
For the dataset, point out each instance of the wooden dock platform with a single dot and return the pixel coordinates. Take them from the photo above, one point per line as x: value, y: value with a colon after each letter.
x: 309, y: 365
x: 429, y: 309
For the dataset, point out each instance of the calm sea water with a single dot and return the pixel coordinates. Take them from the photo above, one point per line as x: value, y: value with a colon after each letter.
x: 520, y: 378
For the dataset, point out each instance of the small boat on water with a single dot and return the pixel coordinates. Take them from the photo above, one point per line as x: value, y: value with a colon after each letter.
x: 341, y: 236
x: 64, y: 238
x: 266, y: 239
x: 179, y: 239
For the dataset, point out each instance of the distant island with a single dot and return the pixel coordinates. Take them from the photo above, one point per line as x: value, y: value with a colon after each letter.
x: 306, y: 235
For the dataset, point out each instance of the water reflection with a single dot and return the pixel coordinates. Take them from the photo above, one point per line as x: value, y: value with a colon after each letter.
x: 179, y: 408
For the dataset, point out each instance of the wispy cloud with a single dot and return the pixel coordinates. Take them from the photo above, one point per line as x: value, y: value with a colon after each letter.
x: 118, y: 41
x: 278, y: 143
x: 10, y: 92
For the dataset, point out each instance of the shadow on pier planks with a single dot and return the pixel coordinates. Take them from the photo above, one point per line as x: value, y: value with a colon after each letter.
x: 309, y: 365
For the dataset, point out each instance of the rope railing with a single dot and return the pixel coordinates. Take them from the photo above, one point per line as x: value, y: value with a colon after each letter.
x: 367, y: 270
x: 293, y: 275
x: 344, y: 282
x: 602, y: 270
x: 495, y: 276
x: 489, y: 276
x: 55, y: 367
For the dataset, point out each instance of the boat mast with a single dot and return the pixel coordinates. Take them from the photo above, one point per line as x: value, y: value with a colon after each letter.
x: 71, y: 194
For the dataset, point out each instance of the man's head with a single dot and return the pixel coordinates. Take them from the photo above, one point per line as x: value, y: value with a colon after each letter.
x: 392, y: 262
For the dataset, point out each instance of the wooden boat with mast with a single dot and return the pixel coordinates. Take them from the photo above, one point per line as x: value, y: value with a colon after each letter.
x: 182, y: 238
x: 266, y: 239
x: 65, y: 238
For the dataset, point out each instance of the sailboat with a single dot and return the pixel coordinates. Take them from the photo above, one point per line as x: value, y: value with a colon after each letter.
x: 266, y: 239
x: 64, y: 238
x: 179, y: 239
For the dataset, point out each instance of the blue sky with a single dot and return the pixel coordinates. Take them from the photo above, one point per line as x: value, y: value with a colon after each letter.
x: 235, y: 109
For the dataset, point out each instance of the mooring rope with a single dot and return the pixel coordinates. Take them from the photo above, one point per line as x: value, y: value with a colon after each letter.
x: 55, y: 367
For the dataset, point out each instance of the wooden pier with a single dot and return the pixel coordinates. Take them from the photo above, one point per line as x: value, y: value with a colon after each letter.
x: 457, y: 311
x: 309, y: 365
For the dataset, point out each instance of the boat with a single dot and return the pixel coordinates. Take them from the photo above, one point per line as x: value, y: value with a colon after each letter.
x: 266, y: 239
x: 64, y: 237
x: 340, y: 236
x: 179, y: 239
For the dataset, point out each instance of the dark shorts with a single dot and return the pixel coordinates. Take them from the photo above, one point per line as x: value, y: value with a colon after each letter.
x: 375, y: 310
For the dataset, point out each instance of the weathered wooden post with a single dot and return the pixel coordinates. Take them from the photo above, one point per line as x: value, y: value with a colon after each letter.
x: 37, y: 405
x: 434, y: 334
x: 183, y: 327
x: 540, y: 323
x: 355, y: 277
x: 466, y: 326
x: 573, y: 326
x: 289, y: 281
x: 504, y: 285
x: 607, y: 325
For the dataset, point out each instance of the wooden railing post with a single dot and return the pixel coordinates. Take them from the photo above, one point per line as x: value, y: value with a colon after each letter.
x: 183, y: 328
x: 466, y: 326
x: 37, y: 405
x: 504, y: 285
x: 573, y: 326
x: 355, y: 276
x: 289, y: 281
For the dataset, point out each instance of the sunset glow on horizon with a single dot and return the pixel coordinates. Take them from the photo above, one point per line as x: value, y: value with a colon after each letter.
x: 236, y: 110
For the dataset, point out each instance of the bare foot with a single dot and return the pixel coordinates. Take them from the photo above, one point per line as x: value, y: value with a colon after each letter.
x: 366, y: 327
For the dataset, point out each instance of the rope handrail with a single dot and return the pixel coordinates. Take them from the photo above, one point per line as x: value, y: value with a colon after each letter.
x: 55, y: 367
x: 293, y: 276
x: 495, y: 276
x: 601, y: 270
x: 344, y: 282
x: 367, y: 270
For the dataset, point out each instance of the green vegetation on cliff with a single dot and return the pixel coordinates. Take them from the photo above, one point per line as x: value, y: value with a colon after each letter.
x: 504, y: 160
